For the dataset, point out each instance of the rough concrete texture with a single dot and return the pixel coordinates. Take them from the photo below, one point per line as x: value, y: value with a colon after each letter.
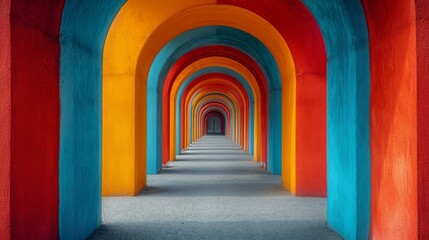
x: 5, y: 119
x: 34, y: 54
x: 422, y: 13
x: 392, y: 31
x: 214, y: 191
x: 84, y: 27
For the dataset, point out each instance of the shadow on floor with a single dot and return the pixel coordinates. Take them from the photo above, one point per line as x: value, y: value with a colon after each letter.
x: 181, y: 229
x: 214, y: 194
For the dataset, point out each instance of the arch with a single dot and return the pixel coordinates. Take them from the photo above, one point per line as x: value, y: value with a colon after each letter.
x: 225, y: 119
x: 210, y: 107
x: 82, y: 40
x: 204, y: 96
x: 179, y: 66
x: 192, y: 88
x: 164, y: 31
x: 290, y: 121
x: 250, y: 91
x: 200, y: 92
x: 197, y: 39
x: 220, y: 101
x: 222, y: 80
x: 302, y: 34
x: 219, y: 106
x: 189, y: 74
x: 218, y: 115
x: 348, y: 167
x: 196, y: 82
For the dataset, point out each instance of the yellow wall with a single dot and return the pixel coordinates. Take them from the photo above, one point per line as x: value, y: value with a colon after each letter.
x: 124, y: 131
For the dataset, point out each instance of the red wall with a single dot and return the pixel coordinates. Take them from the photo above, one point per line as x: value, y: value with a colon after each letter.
x: 5, y: 117
x: 311, y: 137
x: 422, y: 13
x: 392, y: 36
x: 35, y: 118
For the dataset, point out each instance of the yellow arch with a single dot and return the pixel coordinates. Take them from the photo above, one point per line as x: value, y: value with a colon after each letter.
x: 135, y: 37
x: 207, y: 110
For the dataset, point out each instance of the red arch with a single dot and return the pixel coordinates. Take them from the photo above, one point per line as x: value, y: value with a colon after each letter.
x: 209, y: 115
x: 211, y: 51
x: 212, y: 107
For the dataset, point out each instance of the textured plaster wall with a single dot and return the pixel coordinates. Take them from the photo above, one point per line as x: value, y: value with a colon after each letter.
x: 392, y: 35
x: 348, y: 149
x: 35, y: 118
x: 124, y: 144
x: 83, y: 32
x: 5, y: 119
x: 311, y: 136
x: 422, y: 16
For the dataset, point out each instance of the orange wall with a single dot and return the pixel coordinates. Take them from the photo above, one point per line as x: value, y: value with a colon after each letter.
x: 392, y: 33
x: 311, y: 136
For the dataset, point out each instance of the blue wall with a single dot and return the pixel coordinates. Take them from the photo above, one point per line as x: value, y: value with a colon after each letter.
x: 83, y: 32
x: 345, y: 33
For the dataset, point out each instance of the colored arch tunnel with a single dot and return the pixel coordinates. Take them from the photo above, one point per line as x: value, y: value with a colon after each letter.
x: 331, y: 95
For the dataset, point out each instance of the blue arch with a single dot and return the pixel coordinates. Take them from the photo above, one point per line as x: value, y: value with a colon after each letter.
x: 344, y: 30
x: 207, y: 36
x: 81, y: 41
x: 223, y: 113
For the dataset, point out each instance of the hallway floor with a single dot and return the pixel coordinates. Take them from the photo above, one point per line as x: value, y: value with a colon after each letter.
x: 214, y: 191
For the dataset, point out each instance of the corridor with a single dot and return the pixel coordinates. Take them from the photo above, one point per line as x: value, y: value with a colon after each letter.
x: 214, y: 190
x: 214, y: 119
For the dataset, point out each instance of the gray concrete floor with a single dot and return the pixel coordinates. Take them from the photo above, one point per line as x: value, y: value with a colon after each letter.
x: 214, y: 191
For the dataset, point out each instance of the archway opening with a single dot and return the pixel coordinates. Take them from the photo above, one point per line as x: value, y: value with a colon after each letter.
x: 215, y: 123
